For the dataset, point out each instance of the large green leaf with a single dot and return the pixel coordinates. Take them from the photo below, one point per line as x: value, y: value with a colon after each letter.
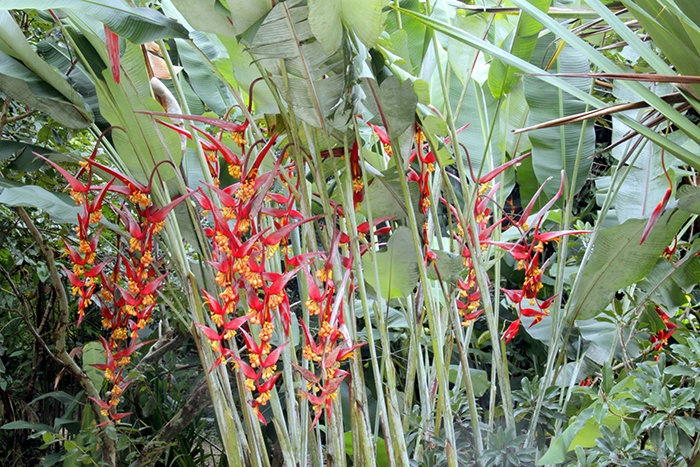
x: 409, y: 40
x: 209, y: 16
x: 385, y: 197
x: 61, y: 210
x: 26, y: 77
x: 396, y: 106
x: 312, y: 82
x: 239, y: 67
x: 583, y: 431
x: 521, y: 43
x: 22, y: 85
x: 689, y: 198
x: 618, y: 260
x: 325, y: 19
x: 671, y: 283
x: 461, y: 56
x: 94, y: 354
x: 24, y: 159
x: 362, y: 17
x: 139, y: 25
x: 397, y: 266
x: 568, y: 147
x: 247, y: 12
x: 204, y: 81
x: 142, y: 144
x: 58, y: 56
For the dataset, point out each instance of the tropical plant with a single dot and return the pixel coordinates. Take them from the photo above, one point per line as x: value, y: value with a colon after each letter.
x: 375, y: 220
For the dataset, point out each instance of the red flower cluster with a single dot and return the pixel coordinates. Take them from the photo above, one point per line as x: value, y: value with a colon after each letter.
x: 249, y: 222
x: 660, y: 339
x: 128, y: 283
x: 528, y: 256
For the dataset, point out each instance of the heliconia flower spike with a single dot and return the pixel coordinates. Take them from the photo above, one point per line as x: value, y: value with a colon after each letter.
x: 528, y: 209
x: 381, y: 133
x: 130, y: 183
x: 113, y: 51
x: 545, y: 209
x: 273, y: 356
x: 270, y: 383
x: 487, y: 177
x: 515, y: 296
x: 253, y: 170
x: 230, y: 156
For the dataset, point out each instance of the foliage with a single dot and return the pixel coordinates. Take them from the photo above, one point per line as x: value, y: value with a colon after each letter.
x: 385, y: 232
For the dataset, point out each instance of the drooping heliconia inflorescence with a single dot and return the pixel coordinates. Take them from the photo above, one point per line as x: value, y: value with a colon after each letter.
x: 123, y: 285
x: 248, y: 223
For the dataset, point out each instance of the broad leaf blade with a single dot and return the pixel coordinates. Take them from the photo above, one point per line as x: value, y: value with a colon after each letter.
x: 563, y: 148
x: 28, y: 78
x: 139, y: 25
x: 397, y: 266
x: 618, y: 260
x: 33, y: 196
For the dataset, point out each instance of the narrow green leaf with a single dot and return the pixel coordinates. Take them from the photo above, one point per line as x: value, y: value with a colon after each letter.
x: 139, y: 25
x: 521, y: 43
x: 22, y: 425
x: 33, y: 196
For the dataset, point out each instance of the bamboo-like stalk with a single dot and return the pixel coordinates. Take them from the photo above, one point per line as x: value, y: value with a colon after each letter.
x: 498, y: 347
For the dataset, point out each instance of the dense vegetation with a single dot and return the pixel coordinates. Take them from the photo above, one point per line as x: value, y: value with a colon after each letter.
x: 360, y: 232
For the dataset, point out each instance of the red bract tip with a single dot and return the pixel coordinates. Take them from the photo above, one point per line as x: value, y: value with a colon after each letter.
x: 113, y: 50
x: 381, y: 133
x: 497, y: 171
x: 655, y: 215
x: 158, y: 215
x: 211, y: 334
x: 549, y: 236
x: 273, y: 356
x: 247, y: 370
x: 176, y: 128
x: 511, y: 331
x: 74, y: 183
x: 515, y: 296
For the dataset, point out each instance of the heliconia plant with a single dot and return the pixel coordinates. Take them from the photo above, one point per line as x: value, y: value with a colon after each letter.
x: 330, y: 199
